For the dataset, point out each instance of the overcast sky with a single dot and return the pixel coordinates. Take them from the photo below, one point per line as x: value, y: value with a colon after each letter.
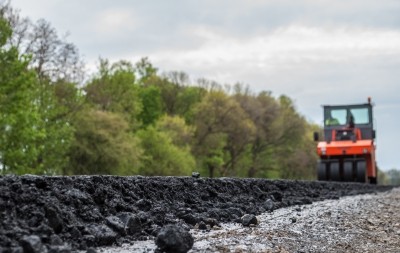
x: 315, y: 51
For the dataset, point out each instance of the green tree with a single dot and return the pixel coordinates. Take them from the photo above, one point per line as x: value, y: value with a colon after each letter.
x: 68, y: 97
x: 114, y: 90
x: 263, y: 111
x: 181, y: 134
x: 169, y: 93
x: 19, y: 118
x: 150, y: 97
x: 300, y: 163
x: 103, y: 144
x: 161, y: 157
x: 187, y: 100
x: 145, y: 71
x: 220, y: 118
x: 295, y: 151
x: 210, y: 153
x: 57, y: 128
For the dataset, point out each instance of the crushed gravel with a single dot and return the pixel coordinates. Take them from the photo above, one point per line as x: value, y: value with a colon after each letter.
x: 362, y: 223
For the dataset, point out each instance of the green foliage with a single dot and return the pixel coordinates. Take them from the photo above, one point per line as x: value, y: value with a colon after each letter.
x: 294, y: 153
x: 145, y: 70
x: 263, y: 110
x: 383, y: 178
x: 19, y: 118
x: 128, y: 119
x: 181, y: 134
x: 57, y: 128
x: 150, y: 97
x: 114, y: 90
x: 68, y: 97
x: 169, y: 93
x: 103, y: 145
x: 187, y: 100
x: 161, y: 157
x: 35, y: 132
x: 6, y: 31
x: 219, y: 117
x: 212, y: 155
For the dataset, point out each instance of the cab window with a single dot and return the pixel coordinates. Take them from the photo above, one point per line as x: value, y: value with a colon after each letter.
x: 361, y: 115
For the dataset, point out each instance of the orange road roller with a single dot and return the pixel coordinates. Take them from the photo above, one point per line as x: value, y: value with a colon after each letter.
x: 347, y: 151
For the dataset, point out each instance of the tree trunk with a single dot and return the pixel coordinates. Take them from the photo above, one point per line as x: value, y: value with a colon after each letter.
x: 252, y: 171
x: 211, y: 171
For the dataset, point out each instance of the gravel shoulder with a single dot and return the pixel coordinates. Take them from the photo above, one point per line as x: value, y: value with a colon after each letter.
x: 362, y: 223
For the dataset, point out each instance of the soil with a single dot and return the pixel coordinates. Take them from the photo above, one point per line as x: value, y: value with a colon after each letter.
x: 64, y: 214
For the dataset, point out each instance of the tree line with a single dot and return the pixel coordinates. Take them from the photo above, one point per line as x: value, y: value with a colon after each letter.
x: 129, y: 118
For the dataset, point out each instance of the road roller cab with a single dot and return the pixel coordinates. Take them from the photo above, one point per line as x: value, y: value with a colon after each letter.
x: 347, y: 152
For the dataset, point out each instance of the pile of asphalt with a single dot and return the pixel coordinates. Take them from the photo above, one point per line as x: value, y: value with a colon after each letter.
x: 60, y: 214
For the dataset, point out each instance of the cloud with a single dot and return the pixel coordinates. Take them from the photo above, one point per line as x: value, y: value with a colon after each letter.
x: 283, y: 49
x: 114, y: 23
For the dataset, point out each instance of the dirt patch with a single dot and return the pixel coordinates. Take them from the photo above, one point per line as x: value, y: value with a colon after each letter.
x: 69, y: 213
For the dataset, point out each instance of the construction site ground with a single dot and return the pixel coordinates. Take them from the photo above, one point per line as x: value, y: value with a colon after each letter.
x: 126, y: 214
x: 362, y: 223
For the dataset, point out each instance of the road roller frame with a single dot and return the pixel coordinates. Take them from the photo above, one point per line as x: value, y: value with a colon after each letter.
x: 347, y: 152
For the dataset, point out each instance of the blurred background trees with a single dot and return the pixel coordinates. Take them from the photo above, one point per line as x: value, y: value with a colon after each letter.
x: 127, y: 118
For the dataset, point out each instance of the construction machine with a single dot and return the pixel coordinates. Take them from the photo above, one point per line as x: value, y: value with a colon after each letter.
x: 347, y: 151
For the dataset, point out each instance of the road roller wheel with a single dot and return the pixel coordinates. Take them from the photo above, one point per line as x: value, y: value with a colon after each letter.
x: 374, y: 180
x: 335, y: 171
x: 348, y: 171
x: 361, y: 171
x: 322, y: 171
